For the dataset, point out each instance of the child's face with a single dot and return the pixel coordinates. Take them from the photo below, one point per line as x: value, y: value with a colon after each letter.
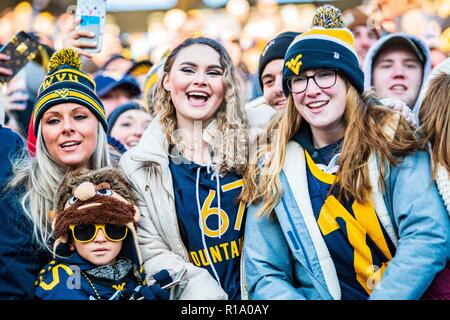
x: 99, y: 251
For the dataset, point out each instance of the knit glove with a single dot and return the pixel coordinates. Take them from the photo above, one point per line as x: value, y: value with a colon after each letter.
x: 154, y: 292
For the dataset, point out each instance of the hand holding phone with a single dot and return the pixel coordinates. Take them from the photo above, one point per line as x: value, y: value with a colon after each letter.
x: 16, y: 54
x: 76, y: 39
x: 4, y: 71
x: 90, y: 16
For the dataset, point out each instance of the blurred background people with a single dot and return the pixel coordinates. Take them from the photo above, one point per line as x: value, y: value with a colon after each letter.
x: 114, y: 89
x: 126, y: 125
x: 365, y: 34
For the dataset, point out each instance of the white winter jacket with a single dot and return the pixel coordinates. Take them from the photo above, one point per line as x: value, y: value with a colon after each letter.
x: 147, y: 167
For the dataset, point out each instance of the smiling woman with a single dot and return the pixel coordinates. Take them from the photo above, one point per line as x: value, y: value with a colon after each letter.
x: 70, y: 124
x: 70, y: 134
x: 188, y: 171
x: 342, y: 206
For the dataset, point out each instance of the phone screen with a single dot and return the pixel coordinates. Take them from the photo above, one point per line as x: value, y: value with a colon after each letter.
x: 92, y: 14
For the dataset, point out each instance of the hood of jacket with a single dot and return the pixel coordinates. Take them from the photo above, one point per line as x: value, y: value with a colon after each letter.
x: 374, y: 50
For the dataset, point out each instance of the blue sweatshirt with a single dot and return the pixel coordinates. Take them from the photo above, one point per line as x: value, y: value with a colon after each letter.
x: 212, y: 243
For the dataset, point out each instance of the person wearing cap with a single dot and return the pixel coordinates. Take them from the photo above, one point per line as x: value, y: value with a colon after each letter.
x: 397, y: 65
x: 70, y: 125
x: 343, y: 207
x: 114, y: 89
x: 270, y: 73
x: 270, y: 69
x: 126, y: 125
x: 117, y: 63
x: 365, y: 34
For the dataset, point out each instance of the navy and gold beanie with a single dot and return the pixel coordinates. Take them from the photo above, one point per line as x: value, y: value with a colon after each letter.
x: 65, y: 83
x: 274, y: 49
x: 329, y: 45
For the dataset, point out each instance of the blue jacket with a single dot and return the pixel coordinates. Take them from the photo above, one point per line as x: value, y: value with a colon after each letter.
x: 65, y: 279
x: 20, y: 259
x: 286, y: 257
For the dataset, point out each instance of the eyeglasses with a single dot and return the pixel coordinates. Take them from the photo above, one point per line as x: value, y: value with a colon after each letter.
x: 324, y: 79
x: 87, y: 232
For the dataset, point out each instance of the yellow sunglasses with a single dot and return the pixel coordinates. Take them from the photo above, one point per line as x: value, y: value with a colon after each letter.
x: 88, y: 231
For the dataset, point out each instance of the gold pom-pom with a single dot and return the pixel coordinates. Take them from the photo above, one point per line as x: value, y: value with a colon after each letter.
x: 328, y: 17
x: 64, y: 56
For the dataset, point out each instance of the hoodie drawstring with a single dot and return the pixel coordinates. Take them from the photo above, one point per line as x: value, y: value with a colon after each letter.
x: 200, y: 218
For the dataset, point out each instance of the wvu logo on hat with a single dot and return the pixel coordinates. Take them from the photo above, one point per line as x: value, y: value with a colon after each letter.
x: 70, y: 75
x: 294, y: 64
x: 63, y: 93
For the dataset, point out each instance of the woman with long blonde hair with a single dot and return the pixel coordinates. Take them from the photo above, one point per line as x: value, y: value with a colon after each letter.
x: 71, y: 134
x: 342, y: 201
x: 187, y: 170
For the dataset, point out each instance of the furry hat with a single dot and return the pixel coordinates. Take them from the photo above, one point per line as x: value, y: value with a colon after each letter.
x: 102, y: 196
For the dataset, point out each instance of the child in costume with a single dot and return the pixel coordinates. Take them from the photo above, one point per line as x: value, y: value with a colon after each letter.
x: 96, y: 251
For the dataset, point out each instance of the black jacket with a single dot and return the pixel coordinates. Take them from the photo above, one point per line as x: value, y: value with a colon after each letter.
x: 20, y: 260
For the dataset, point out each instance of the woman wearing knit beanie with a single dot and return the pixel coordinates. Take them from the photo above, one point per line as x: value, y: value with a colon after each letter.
x: 70, y: 125
x: 342, y: 204
x: 126, y: 125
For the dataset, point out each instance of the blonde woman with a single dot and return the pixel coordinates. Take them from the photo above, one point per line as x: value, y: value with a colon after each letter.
x: 187, y: 170
x: 344, y: 206
x: 434, y: 119
x: 71, y: 126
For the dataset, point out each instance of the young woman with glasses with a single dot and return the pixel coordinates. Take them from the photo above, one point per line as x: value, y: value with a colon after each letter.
x: 342, y: 202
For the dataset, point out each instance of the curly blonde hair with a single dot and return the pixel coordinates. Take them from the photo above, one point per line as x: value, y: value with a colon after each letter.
x: 230, y: 144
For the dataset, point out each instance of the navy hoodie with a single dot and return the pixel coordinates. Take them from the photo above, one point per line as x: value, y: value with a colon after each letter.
x: 207, y: 238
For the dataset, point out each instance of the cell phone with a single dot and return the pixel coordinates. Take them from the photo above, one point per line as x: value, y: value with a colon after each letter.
x: 177, y: 277
x: 92, y: 14
x: 21, y: 49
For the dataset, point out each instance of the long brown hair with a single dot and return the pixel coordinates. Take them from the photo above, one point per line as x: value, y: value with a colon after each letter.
x: 434, y: 119
x: 370, y: 128
x: 230, y: 145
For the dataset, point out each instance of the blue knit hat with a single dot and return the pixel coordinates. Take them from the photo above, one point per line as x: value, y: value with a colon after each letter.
x: 117, y: 112
x: 64, y: 83
x: 274, y: 49
x: 328, y: 44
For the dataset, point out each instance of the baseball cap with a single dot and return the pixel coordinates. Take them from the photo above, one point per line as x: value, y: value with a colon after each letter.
x: 107, y: 81
x: 401, y: 41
